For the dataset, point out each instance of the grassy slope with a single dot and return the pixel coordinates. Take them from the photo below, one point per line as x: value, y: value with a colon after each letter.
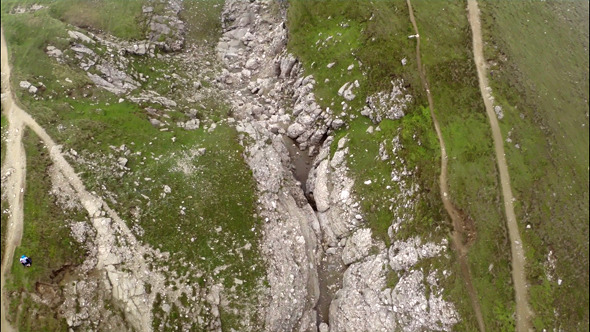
x: 354, y: 38
x: 46, y: 239
x: 538, y: 53
x: 121, y: 19
x: 379, y: 43
x: 219, y: 194
x: 203, y: 20
x: 448, y: 59
x: 4, y: 132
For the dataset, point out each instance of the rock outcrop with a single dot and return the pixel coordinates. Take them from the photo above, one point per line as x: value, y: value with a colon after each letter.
x: 388, y: 105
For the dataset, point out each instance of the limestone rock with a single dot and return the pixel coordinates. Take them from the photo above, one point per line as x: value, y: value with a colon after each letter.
x: 24, y: 84
x: 54, y: 52
x: 321, y: 193
x: 295, y: 130
x: 357, y: 246
x: 80, y: 36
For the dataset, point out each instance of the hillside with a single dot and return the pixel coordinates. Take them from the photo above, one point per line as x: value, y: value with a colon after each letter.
x: 305, y: 165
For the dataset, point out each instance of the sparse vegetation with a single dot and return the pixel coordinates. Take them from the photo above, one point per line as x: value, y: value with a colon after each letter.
x: 121, y: 19
x: 191, y: 194
x: 342, y: 33
x: 377, y: 36
x: 538, y: 58
x: 448, y: 60
x: 208, y: 219
x: 3, y: 136
x: 203, y: 19
x: 47, y: 240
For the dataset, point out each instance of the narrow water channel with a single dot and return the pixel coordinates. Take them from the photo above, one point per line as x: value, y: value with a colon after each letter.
x: 301, y: 162
x: 331, y: 268
x: 330, y: 273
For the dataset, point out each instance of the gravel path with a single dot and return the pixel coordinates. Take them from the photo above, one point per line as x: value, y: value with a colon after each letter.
x: 523, y: 311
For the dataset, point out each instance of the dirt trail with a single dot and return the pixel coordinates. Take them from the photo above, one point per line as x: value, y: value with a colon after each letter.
x: 458, y: 221
x: 523, y: 311
x: 15, y: 163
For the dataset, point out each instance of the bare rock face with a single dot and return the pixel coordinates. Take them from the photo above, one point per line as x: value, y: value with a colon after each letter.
x: 364, y: 304
x: 360, y: 304
x: 80, y: 36
x: 357, y: 246
x: 362, y: 301
x: 346, y: 90
x: 289, y: 241
x: 404, y: 254
x: 416, y: 312
x: 83, y: 302
x: 253, y: 46
x: 295, y: 130
x: 332, y: 188
x: 321, y: 192
x: 54, y: 52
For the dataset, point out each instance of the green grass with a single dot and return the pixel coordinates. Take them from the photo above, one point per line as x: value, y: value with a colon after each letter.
x: 123, y: 19
x: 218, y: 213
x: 546, y: 113
x: 376, y: 35
x: 3, y: 135
x: 420, y: 151
x: 322, y: 32
x: 28, y: 35
x: 203, y: 21
x: 220, y: 192
x: 472, y: 177
x: 3, y: 225
x: 46, y: 239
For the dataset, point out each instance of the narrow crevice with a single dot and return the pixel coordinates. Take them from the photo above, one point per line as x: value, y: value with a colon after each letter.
x: 301, y: 165
x: 330, y: 268
x: 330, y: 273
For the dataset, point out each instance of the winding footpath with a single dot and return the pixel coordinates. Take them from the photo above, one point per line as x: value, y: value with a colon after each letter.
x: 523, y: 311
x: 458, y: 222
x: 15, y: 166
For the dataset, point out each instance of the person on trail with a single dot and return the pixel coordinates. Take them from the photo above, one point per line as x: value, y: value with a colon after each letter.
x: 25, y: 261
